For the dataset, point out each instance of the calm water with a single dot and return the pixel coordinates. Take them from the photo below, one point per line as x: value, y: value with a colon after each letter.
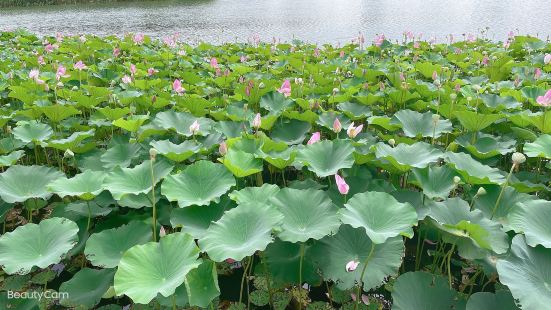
x: 317, y: 21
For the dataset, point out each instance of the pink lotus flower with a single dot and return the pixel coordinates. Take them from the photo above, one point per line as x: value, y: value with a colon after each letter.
x: 230, y: 260
x: 342, y: 186
x: 547, y: 59
x: 354, y: 131
x: 177, y: 87
x: 382, y: 86
x: 162, y: 232
x: 434, y: 75
x: 537, y: 74
x: 151, y: 71
x: 126, y: 79
x: 257, y: 121
x: 402, y: 76
x: 471, y: 38
x: 285, y: 88
x: 40, y: 60
x: 315, y: 138
x: 132, y: 69
x: 485, y: 60
x: 243, y: 58
x: 49, y: 48
x: 337, y: 127
x: 60, y: 72
x: 116, y: 52
x: 379, y: 39
x: 170, y: 41
x: 341, y: 54
x: 545, y: 100
x: 416, y: 45
x: 194, y: 128
x: 351, y: 266
x: 34, y: 74
x: 79, y: 66
x: 223, y: 148
x: 138, y: 38
x: 214, y: 63
x: 316, y: 52
x: 365, y: 298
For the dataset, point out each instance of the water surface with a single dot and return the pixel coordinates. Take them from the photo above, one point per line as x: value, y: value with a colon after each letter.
x: 317, y: 21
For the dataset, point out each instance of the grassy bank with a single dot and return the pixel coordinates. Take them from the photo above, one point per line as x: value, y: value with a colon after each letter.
x: 15, y: 3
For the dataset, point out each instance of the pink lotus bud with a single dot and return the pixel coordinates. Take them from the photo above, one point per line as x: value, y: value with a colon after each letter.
x: 351, y: 266
x: 194, y: 128
x: 257, y: 122
x: 341, y: 184
x: 315, y: 138
x: 177, y: 87
x: 337, y: 127
x: 223, y: 148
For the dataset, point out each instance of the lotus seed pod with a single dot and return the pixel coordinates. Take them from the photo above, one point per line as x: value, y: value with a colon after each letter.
x: 435, y: 118
x: 469, y: 98
x: 152, y: 153
x: 392, y: 142
x: 453, y: 96
x: 261, y: 85
x: 481, y: 191
x: 68, y: 153
x: 518, y: 158
x: 456, y: 179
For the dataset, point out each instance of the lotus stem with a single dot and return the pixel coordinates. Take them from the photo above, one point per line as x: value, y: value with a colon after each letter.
x: 89, y: 215
x: 449, y: 265
x: 361, y: 284
x: 300, y: 276
x: 502, y: 191
x: 154, y: 220
x: 269, y: 286
x: 248, y: 288
x: 243, y: 279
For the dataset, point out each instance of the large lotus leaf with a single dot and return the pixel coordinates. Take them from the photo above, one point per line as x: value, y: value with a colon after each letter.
x: 473, y: 121
x: 308, y: 214
x: 417, y: 124
x: 355, y: 110
x: 57, y: 112
x: 241, y: 232
x: 137, y: 180
x: 120, y: 155
x: 380, y: 215
x: 105, y: 249
x: 10, y: 159
x: 328, y: 118
x: 32, y: 131
x: 501, y: 300
x: 156, y: 267
x: 327, y: 157
x: 176, y: 152
x: 485, y: 145
x: 195, y: 220
x: 20, y: 183
x: 86, y: 185
x: 495, y: 101
x: 241, y: 164
x: 181, y: 121
x: 532, y: 219
x: 421, y: 290
x: 260, y: 194
x: 404, y: 156
x: 539, y: 148
x: 332, y: 253
x: 72, y: 142
x: 507, y: 203
x: 290, y: 131
x: 202, y: 284
x: 436, y: 182
x: 275, y: 102
x: 472, y: 171
x: 283, y: 262
x: 131, y: 123
x: 37, y: 245
x: 526, y: 272
x: 467, y: 228
x: 86, y: 288
x: 199, y: 184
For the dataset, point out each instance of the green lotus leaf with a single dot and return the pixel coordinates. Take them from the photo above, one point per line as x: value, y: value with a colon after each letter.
x: 137, y: 180
x: 105, y: 249
x: 179, y: 298
x: 530, y: 218
x: 86, y: 185
x: 32, y: 131
x: 10, y: 144
x: 275, y: 102
x: 307, y: 214
x: 241, y: 232
x: 20, y: 183
x: 156, y: 267
x: 283, y: 262
x: 436, y: 182
x: 260, y: 194
x: 422, y: 290
x: 195, y: 220
x: 37, y: 245
x: 328, y: 118
x: 176, y: 152
x: 486, y: 146
x: 10, y: 159
x: 202, y: 284
x: 332, y: 253
x: 502, y: 300
x: 141, y: 200
x: 498, y: 102
x: 131, y: 123
x: 181, y: 121
x: 114, y: 113
x: 472, y: 171
x: 539, y: 148
x: 473, y: 121
x: 290, y: 131
x: 199, y: 184
x: 470, y: 230
x: 327, y: 157
x: 404, y: 157
x: 72, y: 142
x: 86, y: 288
x: 508, y: 202
x: 120, y: 155
x: 240, y: 163
x: 380, y: 214
x: 354, y: 110
x: 417, y: 124
x: 526, y: 272
x: 57, y: 112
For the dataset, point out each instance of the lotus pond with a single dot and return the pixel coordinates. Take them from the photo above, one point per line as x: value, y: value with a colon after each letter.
x: 147, y: 174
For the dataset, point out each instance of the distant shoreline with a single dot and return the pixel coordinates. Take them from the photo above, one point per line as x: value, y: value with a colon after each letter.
x: 29, y: 3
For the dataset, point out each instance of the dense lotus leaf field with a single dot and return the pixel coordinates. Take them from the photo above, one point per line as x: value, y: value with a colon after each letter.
x: 151, y: 174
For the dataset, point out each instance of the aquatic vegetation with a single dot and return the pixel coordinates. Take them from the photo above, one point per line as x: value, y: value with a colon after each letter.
x: 150, y: 172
